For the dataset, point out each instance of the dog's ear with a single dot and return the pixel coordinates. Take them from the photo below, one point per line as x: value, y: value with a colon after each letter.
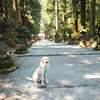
x: 42, y: 60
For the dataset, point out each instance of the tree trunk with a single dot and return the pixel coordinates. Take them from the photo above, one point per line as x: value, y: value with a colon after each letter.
x: 19, y: 12
x: 64, y: 11
x: 6, y: 9
x: 10, y: 14
x: 22, y: 11
x: 1, y: 9
x: 10, y: 9
x: 56, y: 11
x: 15, y: 12
x: 64, y: 19
x: 75, y: 16
x: 83, y: 12
x: 92, y: 18
x: 56, y: 15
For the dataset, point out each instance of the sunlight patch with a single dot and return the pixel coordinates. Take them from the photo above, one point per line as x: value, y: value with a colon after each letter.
x: 98, y: 58
x: 87, y: 62
x: 90, y: 76
x: 28, y: 78
x: 69, y: 98
x: 64, y: 82
x: 71, y: 65
x: 2, y: 96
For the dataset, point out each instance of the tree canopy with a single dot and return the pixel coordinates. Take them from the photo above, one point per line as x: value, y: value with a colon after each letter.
x: 62, y: 19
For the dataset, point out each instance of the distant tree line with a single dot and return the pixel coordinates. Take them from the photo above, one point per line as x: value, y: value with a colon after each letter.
x: 71, y: 16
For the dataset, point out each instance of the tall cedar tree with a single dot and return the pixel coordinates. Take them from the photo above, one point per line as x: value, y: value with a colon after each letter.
x: 83, y: 12
x: 92, y: 18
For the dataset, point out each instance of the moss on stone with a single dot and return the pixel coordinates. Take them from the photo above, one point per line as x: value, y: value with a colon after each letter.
x: 6, y: 62
x: 21, y: 49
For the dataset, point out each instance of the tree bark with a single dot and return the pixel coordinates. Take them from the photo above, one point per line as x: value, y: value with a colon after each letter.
x: 56, y: 16
x: 92, y: 18
x: 64, y: 19
x: 1, y: 9
x: 22, y: 11
x: 15, y: 10
x: 64, y: 11
x: 6, y: 9
x: 83, y: 12
x: 75, y: 16
x: 19, y: 12
x: 10, y: 9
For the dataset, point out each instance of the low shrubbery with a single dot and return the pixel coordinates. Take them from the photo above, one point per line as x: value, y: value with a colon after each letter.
x: 6, y: 62
x: 21, y: 49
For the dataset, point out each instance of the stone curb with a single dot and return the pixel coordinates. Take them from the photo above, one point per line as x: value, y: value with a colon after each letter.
x: 7, y: 71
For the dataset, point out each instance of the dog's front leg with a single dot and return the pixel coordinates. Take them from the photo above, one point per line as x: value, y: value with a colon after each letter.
x: 42, y: 79
x: 46, y: 78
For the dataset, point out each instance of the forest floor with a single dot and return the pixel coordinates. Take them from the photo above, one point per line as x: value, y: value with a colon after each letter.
x: 74, y: 74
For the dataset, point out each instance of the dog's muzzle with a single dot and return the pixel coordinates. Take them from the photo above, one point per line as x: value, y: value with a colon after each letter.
x: 46, y: 62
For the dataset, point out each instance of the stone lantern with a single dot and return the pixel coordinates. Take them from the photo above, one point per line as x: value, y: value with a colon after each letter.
x: 5, y: 60
x: 4, y: 27
x: 23, y: 39
x: 22, y: 35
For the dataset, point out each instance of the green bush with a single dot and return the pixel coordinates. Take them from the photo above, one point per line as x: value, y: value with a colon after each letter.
x: 21, y: 49
x: 6, y: 62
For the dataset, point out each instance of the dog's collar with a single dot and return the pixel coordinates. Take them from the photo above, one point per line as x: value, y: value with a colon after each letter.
x: 43, y: 68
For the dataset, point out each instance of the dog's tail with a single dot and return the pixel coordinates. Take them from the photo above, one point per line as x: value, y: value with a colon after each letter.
x: 30, y: 81
x: 29, y: 84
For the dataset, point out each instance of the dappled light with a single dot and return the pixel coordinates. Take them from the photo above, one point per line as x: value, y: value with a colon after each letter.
x: 92, y: 76
x: 28, y: 78
x: 69, y: 97
x: 65, y: 82
x: 70, y: 65
x: 98, y: 58
x: 87, y: 62
x: 49, y: 49
x: 70, y: 73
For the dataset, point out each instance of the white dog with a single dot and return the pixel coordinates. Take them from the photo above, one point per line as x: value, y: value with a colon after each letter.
x: 41, y: 71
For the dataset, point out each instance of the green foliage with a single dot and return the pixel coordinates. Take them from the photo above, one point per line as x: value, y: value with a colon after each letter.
x: 75, y: 2
x: 97, y: 11
x: 49, y: 19
x: 12, y: 41
x: 33, y: 9
x: 21, y: 49
x: 66, y: 8
x: 6, y: 62
x: 7, y: 22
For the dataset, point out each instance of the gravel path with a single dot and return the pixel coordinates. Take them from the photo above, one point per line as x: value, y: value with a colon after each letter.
x: 74, y: 74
